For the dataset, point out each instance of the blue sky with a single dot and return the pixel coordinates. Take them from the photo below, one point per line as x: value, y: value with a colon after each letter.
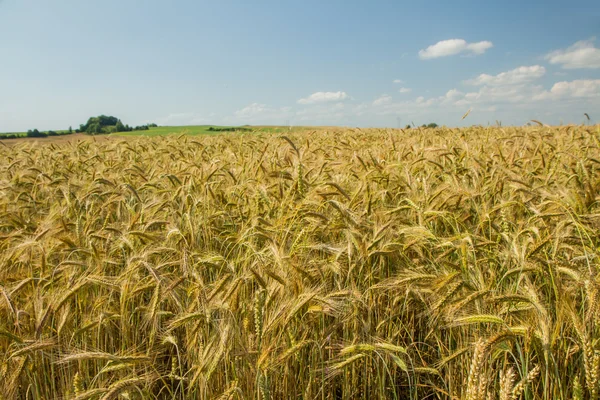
x: 355, y: 63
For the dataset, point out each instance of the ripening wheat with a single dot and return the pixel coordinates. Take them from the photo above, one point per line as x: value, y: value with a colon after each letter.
x: 446, y: 263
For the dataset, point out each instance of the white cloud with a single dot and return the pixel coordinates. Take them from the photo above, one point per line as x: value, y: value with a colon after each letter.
x: 449, y: 98
x: 486, y: 97
x: 582, y: 54
x: 452, y: 47
x: 453, y: 94
x: 324, y: 97
x: 199, y: 121
x: 258, y: 113
x: 323, y: 114
x: 514, y: 86
x: 399, y: 81
x: 383, y: 99
x: 512, y: 96
x: 183, y: 118
x: 581, y: 88
x: 174, y: 117
x: 500, y: 94
x: 262, y: 114
x: 251, y: 110
x: 405, y: 90
x: 510, y: 103
x: 512, y: 77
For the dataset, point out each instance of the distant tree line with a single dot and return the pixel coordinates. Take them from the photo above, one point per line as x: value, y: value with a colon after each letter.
x: 94, y: 126
x: 9, y: 136
x: 430, y: 125
x: 34, y: 133
x: 224, y: 129
x: 40, y: 134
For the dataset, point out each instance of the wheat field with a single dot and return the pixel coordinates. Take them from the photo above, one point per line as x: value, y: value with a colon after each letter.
x: 339, y: 264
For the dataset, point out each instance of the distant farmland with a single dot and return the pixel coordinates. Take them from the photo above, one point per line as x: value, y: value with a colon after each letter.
x: 207, y: 130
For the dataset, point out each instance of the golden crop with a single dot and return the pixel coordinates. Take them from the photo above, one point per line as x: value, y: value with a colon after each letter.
x: 447, y: 263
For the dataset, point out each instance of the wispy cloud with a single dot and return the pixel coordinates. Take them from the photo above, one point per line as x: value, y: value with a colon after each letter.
x: 452, y: 47
x: 383, y: 99
x: 580, y: 88
x: 261, y: 113
x: 184, y: 118
x: 512, y: 77
x: 251, y: 110
x: 514, y: 94
x: 398, y: 81
x: 323, y: 114
x: 324, y: 97
x: 582, y: 54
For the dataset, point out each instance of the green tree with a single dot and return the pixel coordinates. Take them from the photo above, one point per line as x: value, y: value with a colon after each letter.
x: 103, y: 124
x: 35, y: 133
x: 104, y: 120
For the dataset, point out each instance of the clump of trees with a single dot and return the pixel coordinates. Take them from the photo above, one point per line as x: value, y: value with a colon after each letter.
x: 108, y: 124
x: 102, y: 124
x: 36, y: 134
